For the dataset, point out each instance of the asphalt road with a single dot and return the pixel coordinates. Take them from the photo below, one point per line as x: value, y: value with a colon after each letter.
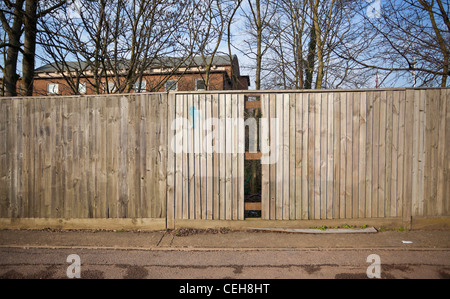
x: 35, y: 263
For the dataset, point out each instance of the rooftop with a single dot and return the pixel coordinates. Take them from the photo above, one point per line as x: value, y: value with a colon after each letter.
x: 162, y: 62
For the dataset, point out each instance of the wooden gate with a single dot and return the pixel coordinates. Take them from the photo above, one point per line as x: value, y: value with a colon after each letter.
x: 206, y: 158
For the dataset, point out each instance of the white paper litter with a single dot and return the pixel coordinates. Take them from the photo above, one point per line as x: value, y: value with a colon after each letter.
x: 407, y: 242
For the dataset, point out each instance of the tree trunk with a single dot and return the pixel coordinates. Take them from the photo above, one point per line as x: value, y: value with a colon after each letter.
x: 29, y: 50
x: 14, y: 34
x: 311, y: 57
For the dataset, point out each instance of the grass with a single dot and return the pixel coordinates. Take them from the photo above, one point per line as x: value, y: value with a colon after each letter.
x: 387, y: 229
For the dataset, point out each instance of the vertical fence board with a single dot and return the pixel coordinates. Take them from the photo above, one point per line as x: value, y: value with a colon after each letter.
x: 285, y: 161
x: 4, y: 188
x: 265, y: 168
x: 279, y: 164
x: 440, y: 196
x: 292, y: 157
x: 355, y: 155
x: 234, y: 157
x: 305, y: 156
x: 216, y: 156
x: 298, y: 155
x: 241, y: 157
x: 337, y: 118
x: 362, y: 155
x: 394, y: 154
x: 382, y: 155
x: 323, y: 156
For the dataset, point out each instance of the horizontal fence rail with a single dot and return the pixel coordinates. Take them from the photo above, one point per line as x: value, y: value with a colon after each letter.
x: 341, y: 154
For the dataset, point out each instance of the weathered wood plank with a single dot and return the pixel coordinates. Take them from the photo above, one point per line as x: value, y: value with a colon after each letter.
x: 349, y: 158
x: 26, y: 161
x: 234, y: 156
x: 323, y: 156
x: 209, y: 158
x: 298, y: 154
x: 180, y: 200
x: 279, y: 171
x: 394, y: 153
x: 160, y: 208
x: 401, y: 153
x: 216, y: 156
x: 408, y: 161
x: 375, y: 153
x: 274, y: 153
x: 133, y: 182
x: 229, y: 157
x: 170, y: 219
x: 330, y: 156
x: 362, y: 155
x: 241, y: 156
x: 222, y: 156
x: 389, y: 151
x: 4, y: 188
x: 101, y: 192
x: 192, y: 157
x: 185, y: 168
x: 12, y: 179
x: 253, y: 104
x: 446, y: 95
x: 355, y: 154
x: 113, y: 141
x: 285, y: 148
x: 265, y: 154
x: 415, y: 155
x: 292, y: 161
x: 441, y: 198
x: 305, y: 156
x: 421, y: 153
x: 382, y: 155
x: 317, y: 156
x: 343, y: 163
x: 369, y: 156
x: 337, y: 118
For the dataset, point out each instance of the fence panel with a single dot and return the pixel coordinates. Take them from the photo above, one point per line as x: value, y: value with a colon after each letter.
x: 83, y: 157
x: 358, y: 154
x: 208, y: 156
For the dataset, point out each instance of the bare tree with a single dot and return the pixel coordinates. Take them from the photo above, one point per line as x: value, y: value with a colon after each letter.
x: 116, y: 42
x: 260, y: 17
x: 18, y: 21
x: 307, y: 33
x: 12, y: 23
x: 406, y: 37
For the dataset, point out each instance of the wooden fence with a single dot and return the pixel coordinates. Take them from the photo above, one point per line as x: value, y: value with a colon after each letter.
x: 83, y: 157
x: 354, y: 154
x: 342, y: 154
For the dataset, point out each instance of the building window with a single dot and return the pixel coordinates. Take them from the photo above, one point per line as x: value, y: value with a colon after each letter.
x: 200, y: 84
x: 110, y: 88
x: 140, y: 87
x: 82, y: 88
x: 52, y: 88
x: 171, y: 85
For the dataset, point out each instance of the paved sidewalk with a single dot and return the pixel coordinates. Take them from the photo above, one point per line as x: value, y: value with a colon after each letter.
x: 222, y: 240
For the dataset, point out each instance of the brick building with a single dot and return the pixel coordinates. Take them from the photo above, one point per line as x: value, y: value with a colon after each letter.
x: 159, y: 77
